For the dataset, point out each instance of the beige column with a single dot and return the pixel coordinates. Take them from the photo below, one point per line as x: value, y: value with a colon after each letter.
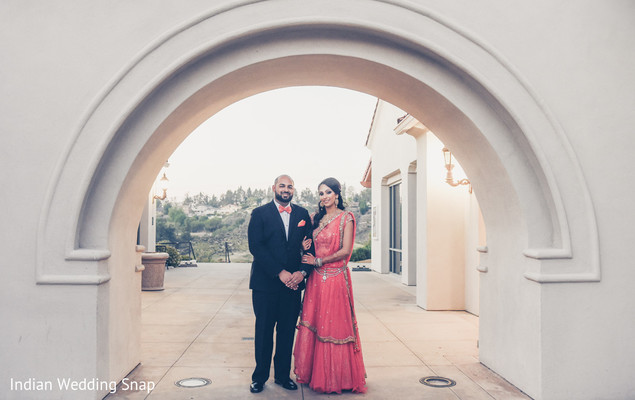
x: 147, y: 225
x: 416, y: 220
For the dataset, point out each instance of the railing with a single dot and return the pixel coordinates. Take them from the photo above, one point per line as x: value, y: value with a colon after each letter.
x: 227, y: 252
x: 185, y: 249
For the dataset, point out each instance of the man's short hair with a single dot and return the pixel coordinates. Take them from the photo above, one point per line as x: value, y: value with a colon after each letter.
x: 281, y: 176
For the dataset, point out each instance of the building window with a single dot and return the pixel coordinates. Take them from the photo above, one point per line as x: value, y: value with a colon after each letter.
x: 395, y: 247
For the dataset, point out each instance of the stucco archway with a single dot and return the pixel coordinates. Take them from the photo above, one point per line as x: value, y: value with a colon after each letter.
x: 535, y: 203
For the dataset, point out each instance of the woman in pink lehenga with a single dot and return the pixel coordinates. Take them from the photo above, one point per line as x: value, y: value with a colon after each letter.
x: 328, y: 353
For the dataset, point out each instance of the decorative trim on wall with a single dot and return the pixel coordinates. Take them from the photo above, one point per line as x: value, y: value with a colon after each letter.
x: 482, y: 267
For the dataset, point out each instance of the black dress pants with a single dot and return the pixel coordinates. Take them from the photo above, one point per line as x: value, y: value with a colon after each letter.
x: 280, y: 310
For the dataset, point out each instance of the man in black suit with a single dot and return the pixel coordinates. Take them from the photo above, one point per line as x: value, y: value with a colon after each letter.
x: 275, y: 234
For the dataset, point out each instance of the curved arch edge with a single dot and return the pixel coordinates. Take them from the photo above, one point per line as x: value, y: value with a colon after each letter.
x: 80, y: 254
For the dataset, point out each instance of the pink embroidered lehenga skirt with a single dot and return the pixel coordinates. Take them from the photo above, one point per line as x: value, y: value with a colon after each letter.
x: 328, y: 354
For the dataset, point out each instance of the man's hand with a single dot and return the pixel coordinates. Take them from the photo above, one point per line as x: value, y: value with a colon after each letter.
x: 285, y: 277
x: 296, y: 278
x: 291, y: 280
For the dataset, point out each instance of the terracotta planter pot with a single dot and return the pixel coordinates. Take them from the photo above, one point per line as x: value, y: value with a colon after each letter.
x: 154, y: 273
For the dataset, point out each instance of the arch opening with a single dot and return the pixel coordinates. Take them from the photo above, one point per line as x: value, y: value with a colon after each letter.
x: 460, y: 111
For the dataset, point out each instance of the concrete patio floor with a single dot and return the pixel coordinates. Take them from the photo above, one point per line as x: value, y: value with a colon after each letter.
x: 202, y: 326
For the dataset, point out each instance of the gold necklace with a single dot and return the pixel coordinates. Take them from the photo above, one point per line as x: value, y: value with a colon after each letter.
x: 325, y: 221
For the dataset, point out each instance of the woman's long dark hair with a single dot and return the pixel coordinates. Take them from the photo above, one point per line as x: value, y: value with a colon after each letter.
x: 335, y: 186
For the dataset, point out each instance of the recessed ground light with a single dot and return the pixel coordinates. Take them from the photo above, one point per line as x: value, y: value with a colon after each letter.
x: 437, y: 381
x: 193, y: 382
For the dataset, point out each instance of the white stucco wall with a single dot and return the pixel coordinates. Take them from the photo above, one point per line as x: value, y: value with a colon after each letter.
x: 475, y: 237
x: 447, y: 227
x: 391, y: 158
x: 558, y: 74
x: 440, y: 262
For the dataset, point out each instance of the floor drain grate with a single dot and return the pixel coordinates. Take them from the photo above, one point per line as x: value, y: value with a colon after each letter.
x: 437, y: 381
x: 193, y: 382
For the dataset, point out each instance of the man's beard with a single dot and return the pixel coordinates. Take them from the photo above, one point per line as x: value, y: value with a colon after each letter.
x: 282, y: 199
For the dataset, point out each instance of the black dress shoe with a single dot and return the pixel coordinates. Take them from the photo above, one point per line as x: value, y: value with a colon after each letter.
x: 288, y: 384
x: 256, y: 387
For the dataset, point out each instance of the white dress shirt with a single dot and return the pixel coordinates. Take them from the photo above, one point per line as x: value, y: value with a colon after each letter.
x: 285, y: 218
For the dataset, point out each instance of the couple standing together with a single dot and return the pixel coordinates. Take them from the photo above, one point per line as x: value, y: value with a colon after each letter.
x: 294, y: 251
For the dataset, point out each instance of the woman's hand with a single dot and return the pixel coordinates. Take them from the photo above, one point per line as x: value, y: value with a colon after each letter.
x: 306, y: 243
x: 295, y: 280
x: 308, y: 259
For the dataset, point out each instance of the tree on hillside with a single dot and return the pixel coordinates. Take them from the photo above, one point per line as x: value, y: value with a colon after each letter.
x: 212, y: 224
x: 228, y: 198
x: 310, y: 196
x: 188, y: 200
x: 240, y: 196
x: 364, y: 199
x: 177, y: 215
x: 165, y: 232
x: 185, y: 237
x: 201, y: 199
x: 163, y: 206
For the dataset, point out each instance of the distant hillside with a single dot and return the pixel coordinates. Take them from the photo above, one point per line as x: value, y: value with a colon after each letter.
x: 210, y: 222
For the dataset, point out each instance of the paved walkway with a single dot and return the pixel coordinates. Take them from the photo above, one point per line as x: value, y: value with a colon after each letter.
x: 201, y: 326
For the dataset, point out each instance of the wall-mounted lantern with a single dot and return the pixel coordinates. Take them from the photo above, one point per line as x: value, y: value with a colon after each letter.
x: 449, y: 179
x: 163, y: 186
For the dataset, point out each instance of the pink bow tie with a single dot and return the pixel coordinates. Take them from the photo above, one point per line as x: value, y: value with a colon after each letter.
x: 282, y: 209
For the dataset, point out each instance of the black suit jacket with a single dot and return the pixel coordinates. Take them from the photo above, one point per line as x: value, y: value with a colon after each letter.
x: 272, y: 251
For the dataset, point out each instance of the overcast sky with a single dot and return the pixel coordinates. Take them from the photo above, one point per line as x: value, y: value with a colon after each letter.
x: 309, y: 133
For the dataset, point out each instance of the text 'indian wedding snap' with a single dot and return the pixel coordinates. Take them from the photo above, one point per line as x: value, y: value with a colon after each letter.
x: 68, y: 384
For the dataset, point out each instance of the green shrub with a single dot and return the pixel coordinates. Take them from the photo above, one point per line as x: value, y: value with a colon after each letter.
x: 361, y: 253
x: 175, y: 258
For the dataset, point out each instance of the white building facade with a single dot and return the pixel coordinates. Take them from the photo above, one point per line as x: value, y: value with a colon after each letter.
x: 428, y: 232
x: 535, y: 99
